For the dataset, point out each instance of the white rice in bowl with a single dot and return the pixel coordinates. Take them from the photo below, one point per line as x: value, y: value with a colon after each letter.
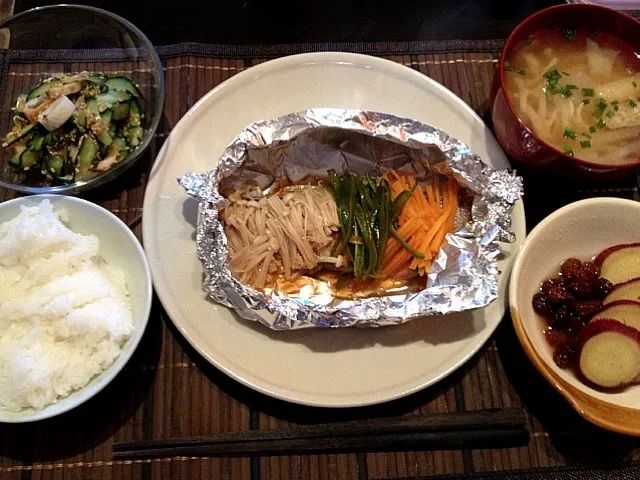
x: 64, y: 313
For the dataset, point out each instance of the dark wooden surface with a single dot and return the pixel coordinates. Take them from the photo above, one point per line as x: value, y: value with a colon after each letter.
x: 267, y: 22
x: 169, y: 390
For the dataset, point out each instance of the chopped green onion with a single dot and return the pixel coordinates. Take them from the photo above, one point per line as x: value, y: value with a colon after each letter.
x: 600, y: 108
x: 588, y: 92
x: 586, y: 101
x: 569, y: 33
x: 519, y: 71
x: 567, y: 149
x: 585, y: 143
x: 568, y: 133
x: 615, y: 102
x: 600, y: 123
x: 566, y: 91
x: 592, y: 129
x: 552, y: 75
x: 610, y: 113
x: 632, y: 104
x: 616, y: 108
x: 635, y: 85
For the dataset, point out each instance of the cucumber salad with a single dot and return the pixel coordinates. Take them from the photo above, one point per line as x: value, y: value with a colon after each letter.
x: 72, y: 127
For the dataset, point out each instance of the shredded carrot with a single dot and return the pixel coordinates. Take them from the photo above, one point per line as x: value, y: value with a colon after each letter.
x: 428, y: 215
x: 407, y: 230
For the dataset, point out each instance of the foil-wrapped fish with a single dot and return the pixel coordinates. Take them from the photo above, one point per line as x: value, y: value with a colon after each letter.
x: 282, y: 245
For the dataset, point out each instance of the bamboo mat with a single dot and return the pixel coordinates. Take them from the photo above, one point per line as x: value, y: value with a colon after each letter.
x: 168, y: 390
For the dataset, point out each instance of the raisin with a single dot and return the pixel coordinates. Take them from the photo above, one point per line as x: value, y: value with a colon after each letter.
x: 571, y: 266
x: 587, y: 308
x: 540, y: 304
x: 601, y: 288
x: 551, y: 283
x: 577, y: 324
x: 591, y: 270
x: 555, y: 337
x: 578, y: 276
x: 560, y: 317
x: 579, y: 288
x: 565, y: 355
x: 559, y: 295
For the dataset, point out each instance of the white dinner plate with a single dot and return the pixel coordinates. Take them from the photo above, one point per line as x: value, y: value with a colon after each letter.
x: 330, y: 368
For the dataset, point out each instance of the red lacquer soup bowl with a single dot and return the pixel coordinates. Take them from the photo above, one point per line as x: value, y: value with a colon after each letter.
x: 520, y: 142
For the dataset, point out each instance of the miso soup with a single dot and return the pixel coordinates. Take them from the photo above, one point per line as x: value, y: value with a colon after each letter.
x: 579, y: 91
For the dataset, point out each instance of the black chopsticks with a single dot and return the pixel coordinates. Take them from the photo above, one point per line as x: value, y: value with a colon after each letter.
x: 474, y: 429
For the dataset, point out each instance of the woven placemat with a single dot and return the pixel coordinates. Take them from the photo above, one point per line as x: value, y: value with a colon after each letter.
x: 167, y: 389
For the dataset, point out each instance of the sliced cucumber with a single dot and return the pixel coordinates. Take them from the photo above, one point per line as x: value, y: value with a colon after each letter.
x: 106, y: 117
x: 53, y: 165
x: 21, y: 134
x: 123, y: 84
x: 133, y: 131
x: 35, y: 145
x: 15, y: 161
x: 105, y: 137
x: 98, y: 78
x: 43, y: 87
x: 134, y: 135
x: 121, y: 111
x: 118, y: 145
x: 28, y: 159
x: 111, y: 98
x: 135, y: 111
x: 109, y: 105
x: 92, y: 105
x: 80, y: 118
x: 87, y: 154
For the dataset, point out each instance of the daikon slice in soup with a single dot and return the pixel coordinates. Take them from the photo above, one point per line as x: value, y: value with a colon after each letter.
x: 579, y: 91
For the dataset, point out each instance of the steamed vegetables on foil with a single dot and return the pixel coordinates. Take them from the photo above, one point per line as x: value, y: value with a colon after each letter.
x: 71, y: 127
x: 443, y: 213
x: 280, y: 234
x: 364, y: 232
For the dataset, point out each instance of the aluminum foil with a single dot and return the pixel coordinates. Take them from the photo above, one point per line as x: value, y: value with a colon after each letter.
x: 465, y: 273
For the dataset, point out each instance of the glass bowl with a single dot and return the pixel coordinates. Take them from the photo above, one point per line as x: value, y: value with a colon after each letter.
x: 69, y: 39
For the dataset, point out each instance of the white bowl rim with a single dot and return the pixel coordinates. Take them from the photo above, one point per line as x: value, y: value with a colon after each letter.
x: 96, y: 384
